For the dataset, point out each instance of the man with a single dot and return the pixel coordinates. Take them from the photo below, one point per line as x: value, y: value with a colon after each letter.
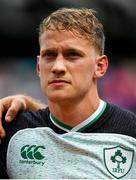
x: 78, y: 135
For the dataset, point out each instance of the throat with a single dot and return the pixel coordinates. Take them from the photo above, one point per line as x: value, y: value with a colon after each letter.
x: 74, y: 123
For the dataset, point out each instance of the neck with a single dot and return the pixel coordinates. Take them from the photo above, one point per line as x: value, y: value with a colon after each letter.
x: 73, y: 113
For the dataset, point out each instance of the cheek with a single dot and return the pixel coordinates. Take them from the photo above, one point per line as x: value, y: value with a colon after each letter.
x: 83, y: 75
x: 86, y: 70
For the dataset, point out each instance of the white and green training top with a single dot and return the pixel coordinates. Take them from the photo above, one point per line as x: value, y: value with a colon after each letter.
x: 102, y: 147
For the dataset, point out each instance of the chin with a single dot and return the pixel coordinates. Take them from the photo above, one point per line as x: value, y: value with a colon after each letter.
x: 58, y: 98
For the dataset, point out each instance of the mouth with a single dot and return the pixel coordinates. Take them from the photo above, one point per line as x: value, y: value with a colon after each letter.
x: 59, y: 82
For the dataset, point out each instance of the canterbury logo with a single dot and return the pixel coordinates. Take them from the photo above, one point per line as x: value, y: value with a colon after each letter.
x: 32, y: 152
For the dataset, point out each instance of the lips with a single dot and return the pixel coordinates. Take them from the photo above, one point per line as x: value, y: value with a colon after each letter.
x: 58, y: 81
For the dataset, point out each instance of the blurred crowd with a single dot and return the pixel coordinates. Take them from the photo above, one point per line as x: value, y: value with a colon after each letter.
x: 119, y: 85
x: 19, y: 76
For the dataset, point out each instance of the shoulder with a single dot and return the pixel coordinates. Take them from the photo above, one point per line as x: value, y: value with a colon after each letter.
x: 34, y: 116
x: 26, y: 119
x: 122, y: 121
x: 122, y: 113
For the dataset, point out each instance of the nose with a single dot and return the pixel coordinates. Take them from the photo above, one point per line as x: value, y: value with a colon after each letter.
x: 59, y: 66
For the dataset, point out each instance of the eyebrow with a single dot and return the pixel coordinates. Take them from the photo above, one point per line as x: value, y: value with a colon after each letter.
x: 48, y: 50
x: 69, y: 49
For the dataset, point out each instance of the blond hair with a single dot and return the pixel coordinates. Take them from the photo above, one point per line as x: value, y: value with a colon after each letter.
x: 81, y: 21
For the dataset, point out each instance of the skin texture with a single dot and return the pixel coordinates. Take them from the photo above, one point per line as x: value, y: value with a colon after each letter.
x: 69, y: 64
x: 68, y: 67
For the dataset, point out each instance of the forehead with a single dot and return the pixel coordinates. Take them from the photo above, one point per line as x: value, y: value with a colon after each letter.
x: 62, y: 38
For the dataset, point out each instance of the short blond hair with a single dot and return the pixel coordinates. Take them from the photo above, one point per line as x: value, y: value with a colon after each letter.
x: 81, y: 21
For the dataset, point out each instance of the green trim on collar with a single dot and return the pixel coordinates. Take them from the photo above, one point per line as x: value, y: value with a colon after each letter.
x: 60, y: 123
x: 84, y: 124
x: 94, y: 120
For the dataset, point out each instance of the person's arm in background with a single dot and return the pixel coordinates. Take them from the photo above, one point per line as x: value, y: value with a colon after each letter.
x: 11, y: 105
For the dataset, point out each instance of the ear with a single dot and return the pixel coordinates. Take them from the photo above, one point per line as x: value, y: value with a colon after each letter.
x: 38, y: 66
x: 101, y: 66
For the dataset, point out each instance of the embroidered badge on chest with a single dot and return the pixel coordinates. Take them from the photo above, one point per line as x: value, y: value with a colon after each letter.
x: 118, y: 160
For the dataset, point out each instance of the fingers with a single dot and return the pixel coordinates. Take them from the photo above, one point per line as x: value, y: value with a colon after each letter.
x: 10, y: 106
x: 2, y: 131
x: 13, y: 110
x: 1, y: 111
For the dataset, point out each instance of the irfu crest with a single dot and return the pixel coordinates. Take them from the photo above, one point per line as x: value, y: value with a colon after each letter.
x: 118, y: 160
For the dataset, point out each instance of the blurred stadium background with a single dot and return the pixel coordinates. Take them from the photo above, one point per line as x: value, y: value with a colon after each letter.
x: 19, y: 20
